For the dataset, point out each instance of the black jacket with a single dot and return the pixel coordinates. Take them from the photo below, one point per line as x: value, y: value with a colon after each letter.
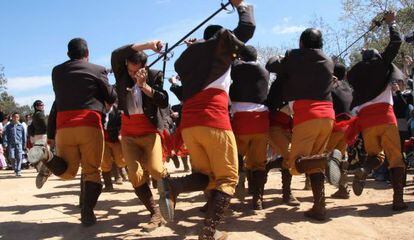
x: 51, y: 122
x: 113, y: 126
x: 204, y: 62
x: 250, y: 82
x: 151, y: 106
x: 275, y: 100
x: 342, y: 97
x: 39, y: 123
x: 80, y: 85
x: 401, y: 102
x: 304, y: 74
x: 370, y: 78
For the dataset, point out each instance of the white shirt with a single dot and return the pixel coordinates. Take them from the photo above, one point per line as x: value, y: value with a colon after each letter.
x: 247, y: 107
x: 134, y: 101
x: 384, y: 97
x: 222, y: 82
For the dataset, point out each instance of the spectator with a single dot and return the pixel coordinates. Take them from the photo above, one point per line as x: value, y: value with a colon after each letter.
x: 3, y: 164
x: 1, y: 115
x: 15, y: 142
x: 39, y: 122
x: 408, y: 68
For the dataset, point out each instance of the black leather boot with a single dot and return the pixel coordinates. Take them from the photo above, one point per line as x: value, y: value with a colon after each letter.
x: 397, y: 180
x: 82, y: 190
x: 361, y: 174
x: 107, y: 182
x: 217, y: 205
x: 318, y: 211
x: 91, y: 193
x: 287, y: 196
x: 258, y: 181
x: 56, y: 165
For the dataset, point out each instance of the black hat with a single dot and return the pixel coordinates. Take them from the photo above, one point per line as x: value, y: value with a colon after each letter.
x: 210, y: 31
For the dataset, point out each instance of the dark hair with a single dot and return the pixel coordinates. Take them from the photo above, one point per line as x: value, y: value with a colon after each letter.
x: 14, y: 113
x: 77, y: 49
x: 138, y: 58
x: 37, y: 103
x: 370, y: 54
x: 248, y: 53
x: 211, y: 30
x: 339, y: 71
x: 311, y: 38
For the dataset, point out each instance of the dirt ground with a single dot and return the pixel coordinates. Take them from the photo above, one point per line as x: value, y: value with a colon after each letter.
x: 52, y: 213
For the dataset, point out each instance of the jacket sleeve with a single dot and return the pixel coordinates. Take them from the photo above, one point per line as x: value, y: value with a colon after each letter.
x: 107, y: 90
x: 160, y: 97
x: 277, y: 65
x: 177, y: 90
x: 393, y: 46
x: 246, y: 26
x: 39, y: 121
x: 119, y: 57
x: 51, y: 122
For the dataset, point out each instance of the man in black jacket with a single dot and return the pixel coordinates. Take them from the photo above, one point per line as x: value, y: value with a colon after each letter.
x: 81, y: 93
x: 248, y: 93
x: 341, y: 98
x: 38, y: 130
x: 204, y: 69
x: 307, y: 83
x: 140, y: 97
x: 113, y: 156
x: 372, y: 100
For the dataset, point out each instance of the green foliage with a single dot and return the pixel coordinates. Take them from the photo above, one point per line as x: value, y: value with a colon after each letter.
x: 7, y: 102
x: 359, y: 15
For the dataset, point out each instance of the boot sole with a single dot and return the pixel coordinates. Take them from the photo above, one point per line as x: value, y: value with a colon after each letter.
x: 358, y: 183
x: 166, y: 208
x: 333, y: 171
x: 41, y: 180
x: 161, y: 224
x: 317, y: 218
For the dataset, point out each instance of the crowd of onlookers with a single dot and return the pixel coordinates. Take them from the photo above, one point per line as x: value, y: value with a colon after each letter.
x: 15, y: 139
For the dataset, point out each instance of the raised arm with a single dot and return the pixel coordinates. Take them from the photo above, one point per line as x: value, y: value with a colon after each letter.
x: 120, y: 55
x: 394, y: 45
x: 246, y: 26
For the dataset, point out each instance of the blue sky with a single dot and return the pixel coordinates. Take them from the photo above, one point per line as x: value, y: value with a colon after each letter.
x: 34, y: 34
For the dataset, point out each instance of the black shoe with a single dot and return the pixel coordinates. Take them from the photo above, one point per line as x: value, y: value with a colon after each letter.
x: 397, y: 179
x: 287, y: 196
x: 358, y: 183
x: 361, y: 174
x: 42, y: 176
x: 107, y: 182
